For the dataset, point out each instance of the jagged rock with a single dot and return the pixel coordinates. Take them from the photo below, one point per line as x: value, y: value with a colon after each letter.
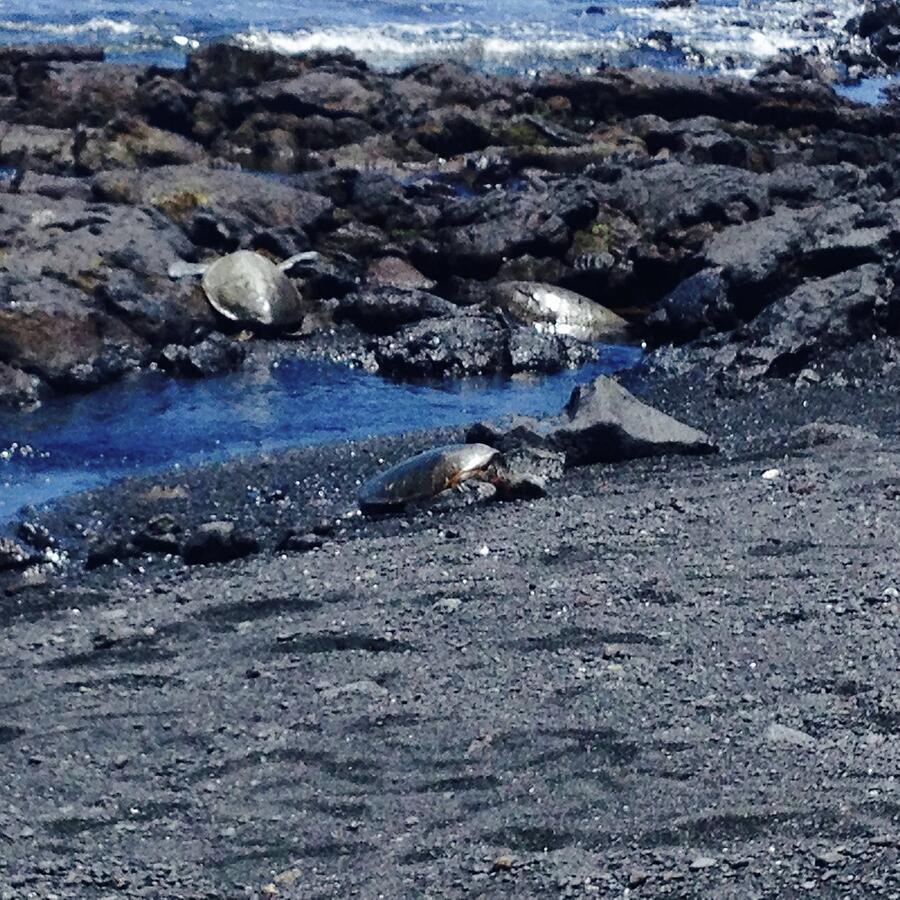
x: 56, y: 187
x: 812, y: 321
x: 217, y: 542
x: 384, y: 310
x: 392, y: 271
x: 505, y: 225
x: 161, y: 534
x: 14, y: 55
x: 133, y: 144
x: 438, y: 348
x: 46, y: 329
x: 764, y: 258
x: 176, y: 313
x: 235, y: 202
x: 167, y: 103
x: 224, y: 67
x: 318, y: 93
x: 69, y: 95
x: 13, y: 555
x: 37, y: 148
x: 698, y: 303
x: 214, y: 356
x: 602, y: 422
x: 452, y: 130
x: 18, y: 389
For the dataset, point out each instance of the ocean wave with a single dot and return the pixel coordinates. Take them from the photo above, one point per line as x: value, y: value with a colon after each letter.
x: 66, y: 29
x: 396, y: 45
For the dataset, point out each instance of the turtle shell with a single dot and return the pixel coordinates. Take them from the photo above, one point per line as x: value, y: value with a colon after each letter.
x: 425, y: 475
x: 248, y: 288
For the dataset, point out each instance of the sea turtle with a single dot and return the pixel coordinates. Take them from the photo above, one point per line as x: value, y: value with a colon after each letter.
x: 558, y: 311
x: 247, y: 287
x: 426, y: 475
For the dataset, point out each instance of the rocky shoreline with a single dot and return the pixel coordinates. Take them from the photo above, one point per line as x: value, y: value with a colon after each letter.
x: 753, y: 221
x: 667, y: 677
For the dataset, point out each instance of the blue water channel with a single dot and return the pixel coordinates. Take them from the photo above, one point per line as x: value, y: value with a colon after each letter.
x: 155, y: 422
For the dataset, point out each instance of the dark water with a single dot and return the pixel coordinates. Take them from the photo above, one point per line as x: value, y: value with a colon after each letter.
x: 511, y: 35
x: 156, y: 422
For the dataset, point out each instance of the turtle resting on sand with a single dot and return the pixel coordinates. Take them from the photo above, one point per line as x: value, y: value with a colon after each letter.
x: 248, y: 288
x: 432, y: 473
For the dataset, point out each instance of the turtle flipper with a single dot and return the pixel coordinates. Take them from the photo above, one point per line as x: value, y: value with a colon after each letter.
x: 306, y: 256
x: 182, y: 269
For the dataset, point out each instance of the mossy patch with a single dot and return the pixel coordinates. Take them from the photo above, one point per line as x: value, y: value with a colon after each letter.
x: 596, y: 239
x: 522, y: 133
x: 179, y: 204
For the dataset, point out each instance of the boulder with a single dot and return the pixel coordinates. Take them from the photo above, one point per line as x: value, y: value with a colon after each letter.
x: 384, y: 310
x: 392, y: 271
x: 318, y: 93
x: 46, y: 329
x: 602, y: 422
x: 213, y: 356
x: 229, y: 204
x: 56, y: 187
x: 14, y: 55
x: 13, y: 555
x: 132, y: 144
x: 37, y: 148
x: 224, y: 67
x: 217, y: 542
x: 502, y: 225
x: 69, y: 95
x: 812, y: 321
x: 18, y: 389
x: 438, y: 348
x: 697, y: 304
x: 768, y: 257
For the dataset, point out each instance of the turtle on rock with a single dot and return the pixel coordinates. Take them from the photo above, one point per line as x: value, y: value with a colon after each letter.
x: 248, y: 288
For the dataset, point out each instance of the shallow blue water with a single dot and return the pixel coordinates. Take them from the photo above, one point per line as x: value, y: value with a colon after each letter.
x: 155, y: 422
x: 517, y: 35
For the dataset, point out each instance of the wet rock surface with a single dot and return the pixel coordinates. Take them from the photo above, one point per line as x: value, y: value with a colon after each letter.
x: 672, y: 676
x: 687, y: 205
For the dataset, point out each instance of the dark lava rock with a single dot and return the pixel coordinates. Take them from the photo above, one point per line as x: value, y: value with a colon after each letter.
x: 235, y: 201
x: 13, y: 555
x: 161, y: 534
x: 435, y: 348
x: 18, y: 389
x: 812, y: 321
x: 70, y: 95
x: 217, y: 542
x: 46, y: 329
x: 14, y: 55
x: 503, y: 225
x: 602, y: 422
x: 223, y: 67
x: 213, y: 356
x: 130, y: 143
x: 383, y: 310
x: 300, y: 543
x: 699, y: 302
x: 318, y: 93
x: 37, y: 148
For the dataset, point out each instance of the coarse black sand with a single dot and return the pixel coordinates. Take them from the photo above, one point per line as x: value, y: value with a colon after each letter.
x: 671, y: 677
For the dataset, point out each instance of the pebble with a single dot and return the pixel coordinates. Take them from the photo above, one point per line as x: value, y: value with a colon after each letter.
x: 784, y: 736
x: 771, y: 474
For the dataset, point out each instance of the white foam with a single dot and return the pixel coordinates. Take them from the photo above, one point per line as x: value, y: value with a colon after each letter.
x: 112, y: 26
